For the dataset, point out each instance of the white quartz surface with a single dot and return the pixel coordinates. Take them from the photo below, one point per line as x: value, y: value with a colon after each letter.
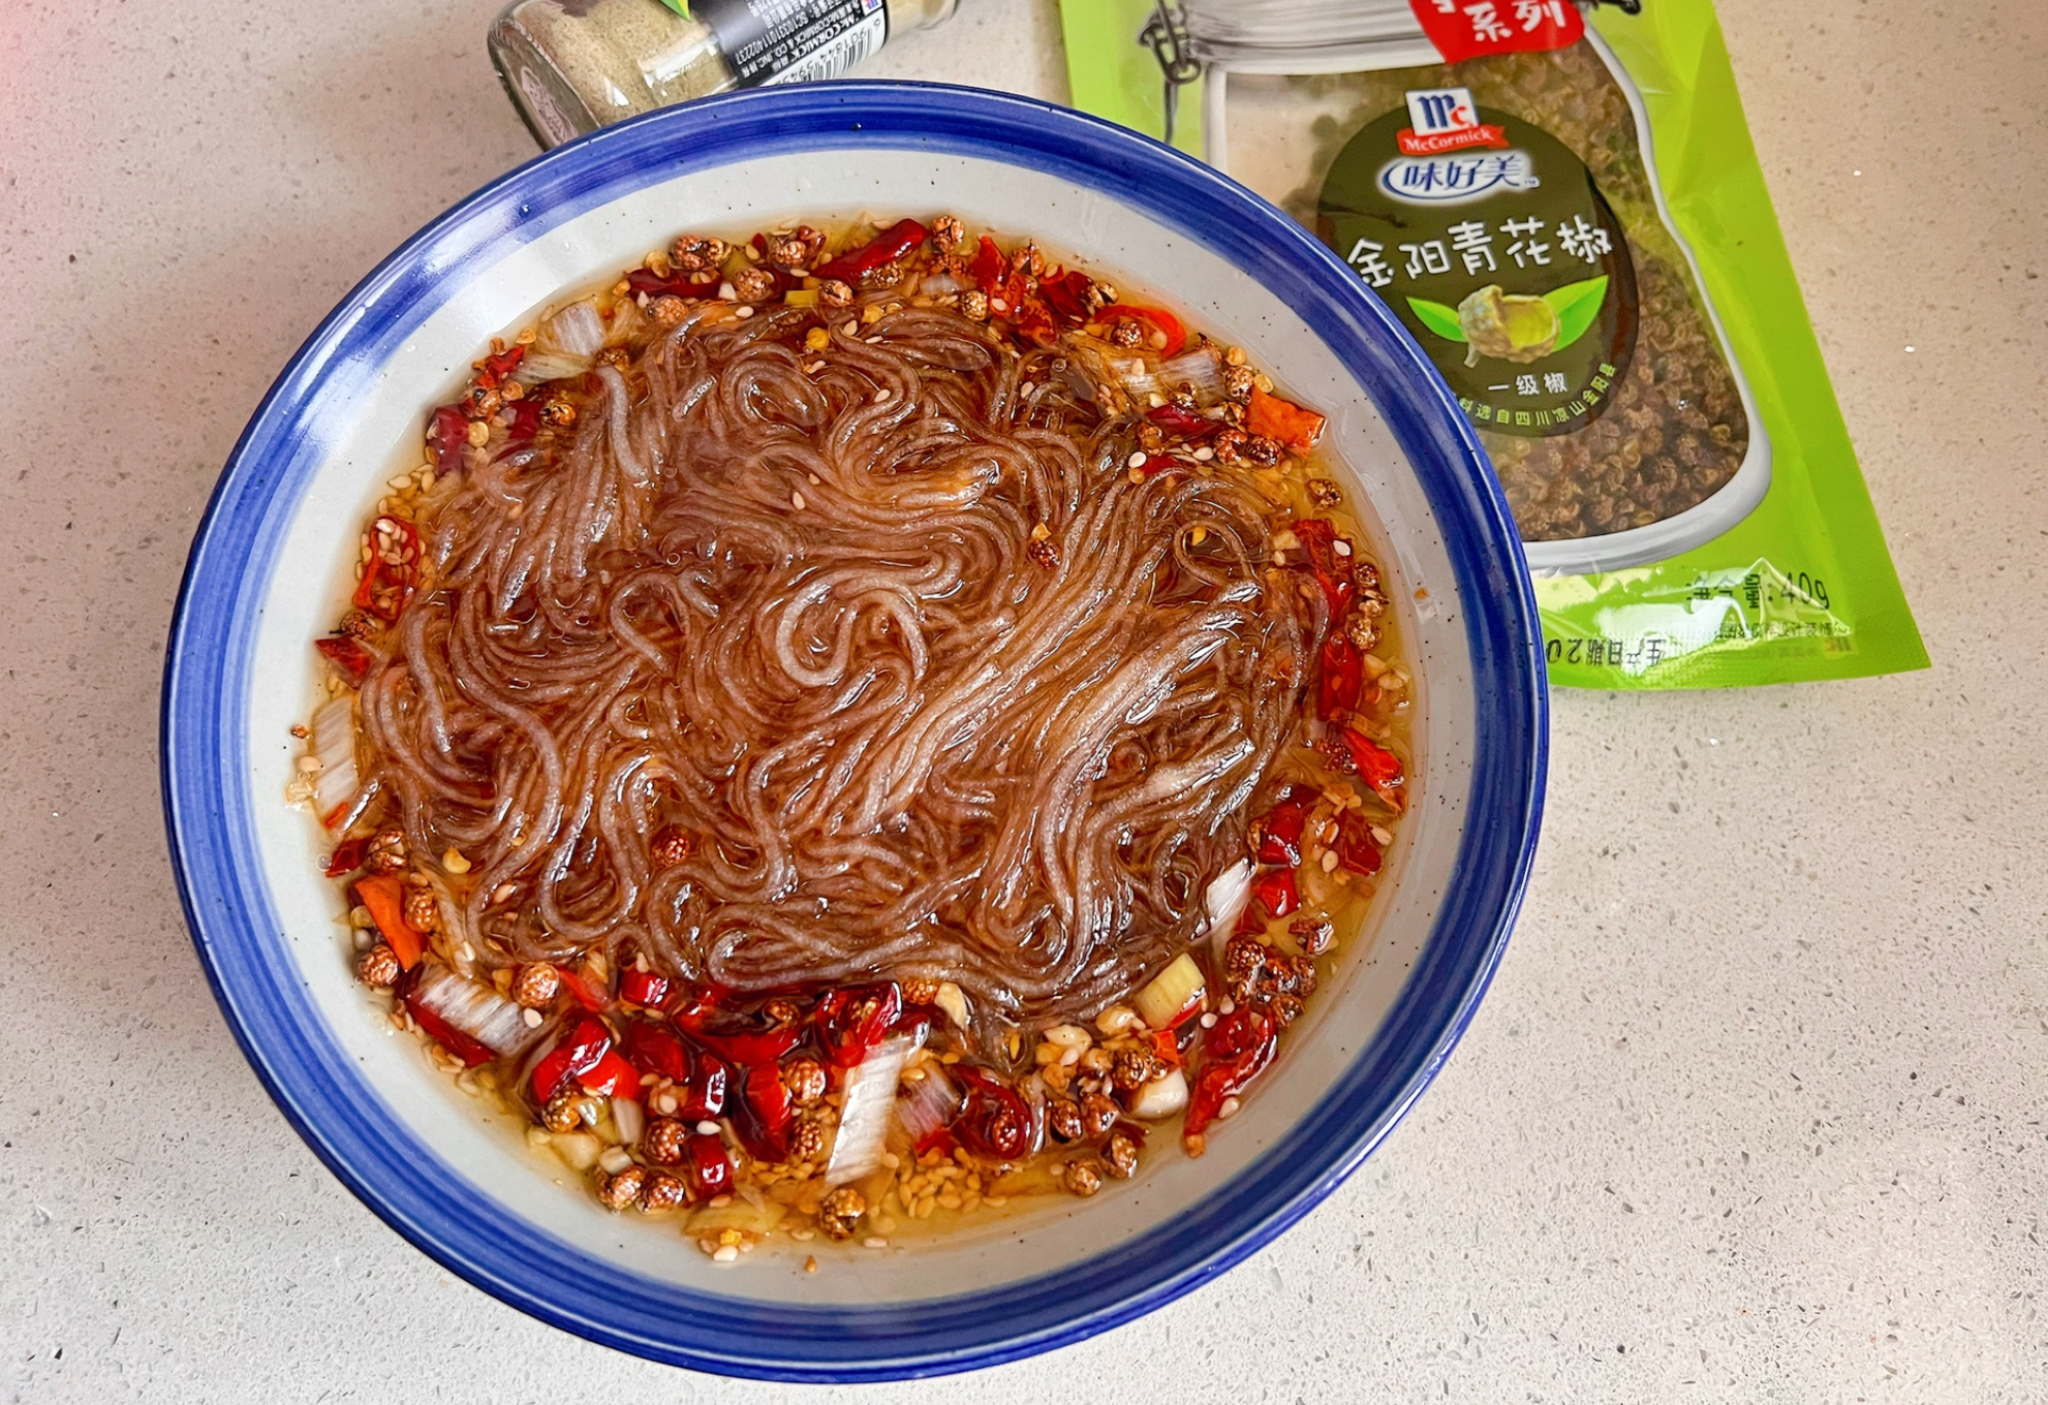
x: 1754, y: 1111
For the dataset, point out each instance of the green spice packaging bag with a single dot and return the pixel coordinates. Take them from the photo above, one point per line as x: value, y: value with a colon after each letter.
x: 1565, y: 211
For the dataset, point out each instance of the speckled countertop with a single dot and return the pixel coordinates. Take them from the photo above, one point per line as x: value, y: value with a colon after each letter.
x: 1754, y: 1111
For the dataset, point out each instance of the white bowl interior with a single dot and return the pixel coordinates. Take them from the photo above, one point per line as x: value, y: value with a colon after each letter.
x: 307, y: 591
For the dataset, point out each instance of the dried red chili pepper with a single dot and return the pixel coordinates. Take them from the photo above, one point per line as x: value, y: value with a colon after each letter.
x: 580, y: 1051
x: 1279, y: 829
x: 524, y: 425
x: 1175, y: 420
x: 709, y: 1168
x: 1318, y: 539
x: 707, y: 1090
x: 497, y: 368
x: 1341, y: 680
x: 989, y: 267
x: 677, y: 285
x: 644, y: 988
x: 1239, y: 1049
x: 720, y: 1032
x: 1276, y: 891
x: 1034, y: 322
x: 347, y: 856
x: 585, y: 992
x: 1356, y: 848
x: 613, y: 1077
x: 891, y: 244
x: 1067, y: 295
x: 470, y: 1051
x: 652, y: 1049
x: 385, y: 588
x: 993, y: 1120
x: 1375, y: 765
x: 768, y: 1112
x: 1159, y: 320
x: 853, y: 1021
x: 350, y: 659
x: 447, y: 437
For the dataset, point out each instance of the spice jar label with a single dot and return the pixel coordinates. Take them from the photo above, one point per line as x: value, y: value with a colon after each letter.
x: 1490, y: 241
x: 1465, y: 29
x: 792, y: 41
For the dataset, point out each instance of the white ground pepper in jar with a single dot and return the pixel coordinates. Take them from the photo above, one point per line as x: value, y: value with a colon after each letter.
x: 572, y: 66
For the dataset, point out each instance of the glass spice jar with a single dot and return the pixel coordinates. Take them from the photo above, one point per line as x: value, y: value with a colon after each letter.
x: 572, y: 66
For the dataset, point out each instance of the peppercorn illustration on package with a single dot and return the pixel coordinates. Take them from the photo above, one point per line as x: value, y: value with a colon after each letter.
x: 1565, y: 210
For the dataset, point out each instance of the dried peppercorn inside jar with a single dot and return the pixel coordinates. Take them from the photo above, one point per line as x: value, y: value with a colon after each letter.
x: 572, y: 66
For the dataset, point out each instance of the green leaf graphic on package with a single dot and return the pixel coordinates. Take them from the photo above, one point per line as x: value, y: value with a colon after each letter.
x: 1516, y: 326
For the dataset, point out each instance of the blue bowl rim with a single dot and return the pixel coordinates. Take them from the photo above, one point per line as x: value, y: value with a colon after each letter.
x: 209, y: 815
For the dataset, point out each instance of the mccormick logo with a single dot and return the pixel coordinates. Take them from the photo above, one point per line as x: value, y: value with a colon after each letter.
x: 1446, y: 119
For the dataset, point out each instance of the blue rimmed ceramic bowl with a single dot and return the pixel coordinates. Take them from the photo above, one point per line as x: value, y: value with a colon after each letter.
x: 267, y: 575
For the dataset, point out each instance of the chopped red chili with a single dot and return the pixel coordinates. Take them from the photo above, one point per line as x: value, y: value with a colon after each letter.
x: 613, y: 1077
x: 1276, y: 891
x: 447, y: 437
x: 580, y: 1051
x: 710, y: 1168
x: 585, y: 992
x: 1067, y: 294
x: 992, y: 1120
x: 1238, y: 1049
x: 1376, y: 766
x: 498, y: 367
x: 1279, y: 830
x: 1175, y: 420
x: 1356, y: 848
x: 643, y: 988
x: 893, y: 243
x: 707, y: 1090
x: 347, y: 856
x: 1341, y: 680
x: 469, y: 1050
x: 350, y: 659
x: 1318, y: 540
x: 853, y: 1021
x: 724, y: 1035
x: 769, y: 1114
x: 653, y: 1049
x: 1161, y: 321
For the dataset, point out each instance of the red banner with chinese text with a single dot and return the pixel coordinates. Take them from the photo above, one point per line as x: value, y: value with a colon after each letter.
x: 1469, y: 29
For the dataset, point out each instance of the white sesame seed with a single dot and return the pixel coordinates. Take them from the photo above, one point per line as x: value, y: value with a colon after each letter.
x: 1227, y: 1007
x: 1341, y: 547
x: 403, y: 480
x: 872, y: 341
x: 725, y: 1253
x: 310, y: 764
x: 531, y: 1018
x: 1329, y: 860
x: 882, y: 395
x: 875, y: 1241
x: 796, y: 500
x: 815, y: 479
x: 1155, y: 399
x: 998, y: 304
x: 1024, y: 389
x: 1204, y: 454
x: 665, y: 1104
x: 851, y: 327
x: 1228, y: 1109
x: 1136, y: 460
x: 1382, y: 837
x: 725, y: 291
x: 1208, y: 1019
x: 719, y: 1202
x: 707, y: 1128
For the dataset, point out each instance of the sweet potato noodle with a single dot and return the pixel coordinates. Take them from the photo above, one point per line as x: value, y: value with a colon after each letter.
x: 806, y: 616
